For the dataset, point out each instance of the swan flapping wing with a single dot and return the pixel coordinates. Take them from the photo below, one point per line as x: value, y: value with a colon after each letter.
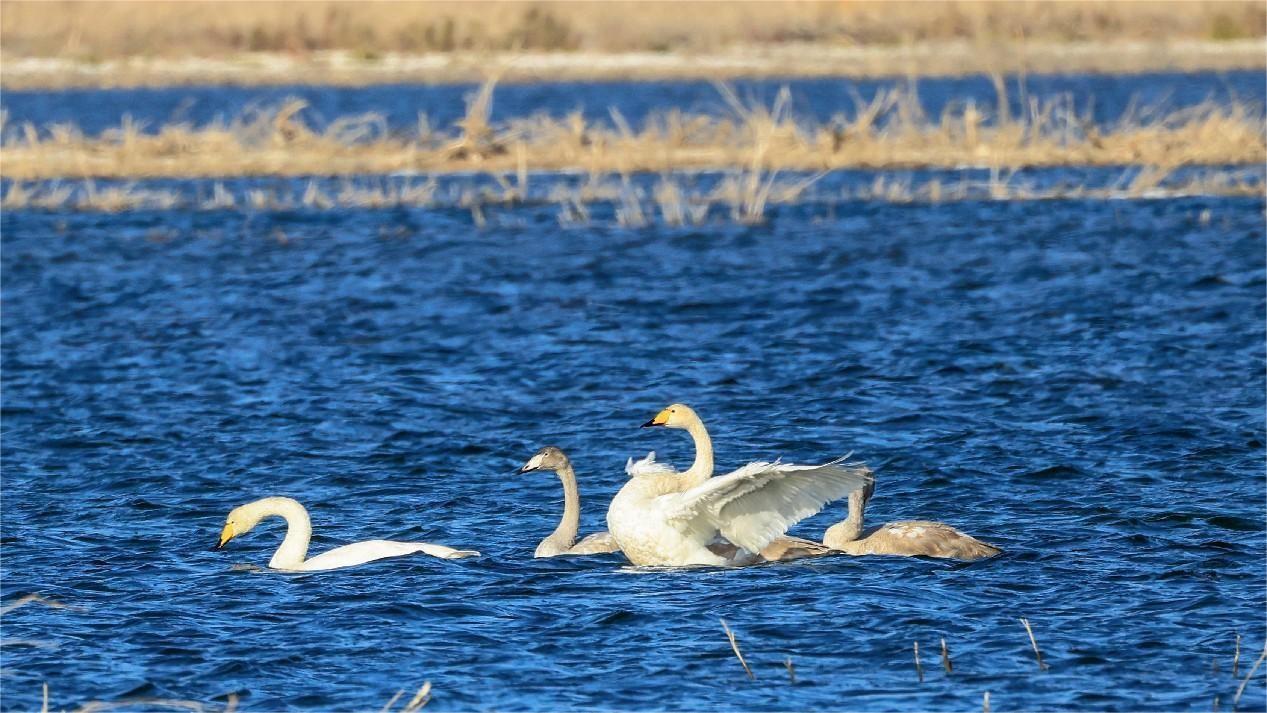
x: 647, y: 466
x: 760, y: 501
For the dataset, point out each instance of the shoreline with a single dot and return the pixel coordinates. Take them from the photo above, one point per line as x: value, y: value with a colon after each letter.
x: 341, y: 68
x: 677, y: 198
x: 890, y: 132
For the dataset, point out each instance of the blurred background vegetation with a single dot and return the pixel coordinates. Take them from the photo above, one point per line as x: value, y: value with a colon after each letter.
x: 97, y: 31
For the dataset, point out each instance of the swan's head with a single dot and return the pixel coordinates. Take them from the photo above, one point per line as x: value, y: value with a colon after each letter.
x: 241, y: 520
x: 674, y: 416
x: 548, y: 458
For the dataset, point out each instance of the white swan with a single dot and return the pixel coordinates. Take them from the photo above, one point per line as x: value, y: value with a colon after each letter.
x: 666, y: 519
x: 563, y: 540
x: 294, y: 548
x: 907, y: 538
x: 784, y: 548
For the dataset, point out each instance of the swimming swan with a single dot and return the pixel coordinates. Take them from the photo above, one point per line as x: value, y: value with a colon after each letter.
x: 906, y: 537
x: 563, y: 540
x: 667, y: 519
x: 294, y: 548
x: 784, y: 548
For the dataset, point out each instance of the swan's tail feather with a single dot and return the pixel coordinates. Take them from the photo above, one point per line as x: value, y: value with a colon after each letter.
x: 442, y: 552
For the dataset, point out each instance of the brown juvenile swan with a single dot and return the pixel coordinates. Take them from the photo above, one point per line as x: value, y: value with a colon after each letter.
x: 905, y: 537
x: 563, y: 540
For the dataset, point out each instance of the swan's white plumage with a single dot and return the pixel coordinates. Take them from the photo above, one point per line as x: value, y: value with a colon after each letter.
x: 370, y: 550
x: 647, y: 466
x: 755, y: 504
x: 656, y: 524
x: 292, y: 554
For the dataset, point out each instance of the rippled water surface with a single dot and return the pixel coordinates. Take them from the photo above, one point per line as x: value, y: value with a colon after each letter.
x: 1081, y: 383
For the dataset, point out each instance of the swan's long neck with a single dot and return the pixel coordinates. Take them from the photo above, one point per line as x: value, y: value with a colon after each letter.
x: 852, y: 525
x: 294, y: 549
x: 702, y: 468
x: 565, y: 533
x: 850, y: 529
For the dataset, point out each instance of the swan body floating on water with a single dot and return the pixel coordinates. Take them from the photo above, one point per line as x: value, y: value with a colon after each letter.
x: 784, y: 548
x: 670, y: 519
x: 292, y: 553
x: 563, y: 540
x: 906, y: 537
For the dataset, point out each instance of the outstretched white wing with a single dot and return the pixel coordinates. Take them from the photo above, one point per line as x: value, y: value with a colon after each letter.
x: 648, y: 466
x: 760, y: 501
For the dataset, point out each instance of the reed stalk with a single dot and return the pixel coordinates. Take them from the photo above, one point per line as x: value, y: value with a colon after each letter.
x: 755, y: 142
x: 1034, y: 643
x: 734, y: 646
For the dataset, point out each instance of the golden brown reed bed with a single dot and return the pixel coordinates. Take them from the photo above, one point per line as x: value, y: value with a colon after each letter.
x: 105, y: 30
x: 157, y: 43
x: 341, y: 68
x: 889, y: 131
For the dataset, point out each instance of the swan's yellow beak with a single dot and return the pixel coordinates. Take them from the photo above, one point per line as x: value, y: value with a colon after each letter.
x: 659, y: 420
x: 228, y: 533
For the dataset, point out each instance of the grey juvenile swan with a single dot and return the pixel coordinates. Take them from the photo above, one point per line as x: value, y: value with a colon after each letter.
x: 563, y: 540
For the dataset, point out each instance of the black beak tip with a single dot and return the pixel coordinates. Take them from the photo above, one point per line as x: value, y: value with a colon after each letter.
x: 217, y: 547
x: 649, y: 424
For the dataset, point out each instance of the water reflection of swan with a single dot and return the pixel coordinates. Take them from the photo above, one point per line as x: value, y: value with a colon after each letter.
x: 294, y: 548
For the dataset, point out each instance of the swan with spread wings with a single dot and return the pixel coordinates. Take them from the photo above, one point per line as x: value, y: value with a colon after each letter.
x: 671, y: 519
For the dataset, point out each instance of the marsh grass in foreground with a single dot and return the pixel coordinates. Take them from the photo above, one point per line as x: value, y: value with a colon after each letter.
x: 890, y: 130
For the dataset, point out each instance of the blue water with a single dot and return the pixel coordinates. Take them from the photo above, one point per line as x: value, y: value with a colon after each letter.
x: 1102, y: 98
x: 1079, y: 382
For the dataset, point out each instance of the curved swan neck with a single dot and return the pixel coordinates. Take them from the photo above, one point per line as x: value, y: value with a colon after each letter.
x: 702, y: 468
x: 852, y: 526
x: 294, y: 548
x: 845, y: 535
x: 565, y: 533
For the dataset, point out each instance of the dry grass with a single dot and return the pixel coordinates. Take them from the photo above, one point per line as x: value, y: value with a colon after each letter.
x: 29, y: 599
x: 631, y: 203
x: 930, y: 59
x: 734, y: 646
x: 417, y: 703
x: 1034, y: 643
x: 131, y: 43
x: 1253, y: 669
x: 889, y: 131
x: 104, y: 30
